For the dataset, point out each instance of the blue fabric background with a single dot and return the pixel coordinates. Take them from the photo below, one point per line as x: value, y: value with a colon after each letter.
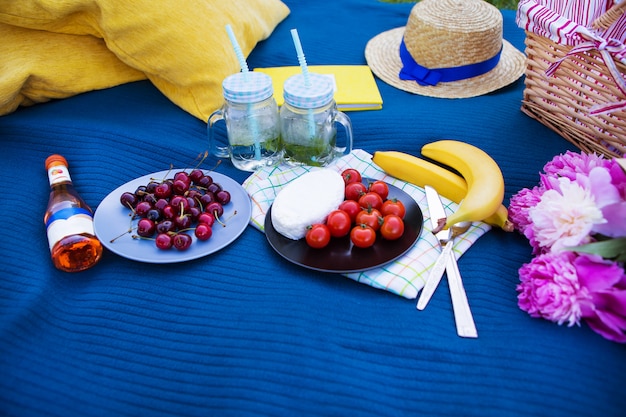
x: 243, y: 332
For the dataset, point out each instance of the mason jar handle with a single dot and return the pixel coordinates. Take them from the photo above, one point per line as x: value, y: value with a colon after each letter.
x: 215, y: 149
x: 342, y: 119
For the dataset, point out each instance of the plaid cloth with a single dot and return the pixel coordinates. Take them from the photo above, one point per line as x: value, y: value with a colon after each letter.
x: 406, y: 275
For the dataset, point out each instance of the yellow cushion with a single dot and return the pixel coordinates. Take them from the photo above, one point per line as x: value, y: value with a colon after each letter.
x: 38, y: 66
x: 181, y: 46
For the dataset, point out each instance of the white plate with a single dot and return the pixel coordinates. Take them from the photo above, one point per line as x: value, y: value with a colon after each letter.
x: 111, y: 219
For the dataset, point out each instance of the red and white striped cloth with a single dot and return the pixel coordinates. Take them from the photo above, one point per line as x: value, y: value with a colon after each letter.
x: 568, y: 22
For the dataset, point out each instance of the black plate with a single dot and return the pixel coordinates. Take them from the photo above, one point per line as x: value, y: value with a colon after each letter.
x: 341, y: 255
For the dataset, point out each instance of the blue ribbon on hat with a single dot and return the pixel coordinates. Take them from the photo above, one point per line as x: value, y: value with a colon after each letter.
x: 411, y: 70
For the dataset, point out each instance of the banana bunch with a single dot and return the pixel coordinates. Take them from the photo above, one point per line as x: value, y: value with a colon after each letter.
x: 479, y: 189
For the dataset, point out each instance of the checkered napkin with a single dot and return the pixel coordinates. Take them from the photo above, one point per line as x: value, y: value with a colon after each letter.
x: 406, y: 275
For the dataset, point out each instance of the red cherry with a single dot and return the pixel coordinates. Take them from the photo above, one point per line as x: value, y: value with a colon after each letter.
x: 169, y: 212
x: 145, y: 227
x: 215, y: 208
x: 183, y: 222
x: 205, y: 181
x: 180, y: 187
x: 182, y: 176
x: 203, y: 231
x: 195, y: 175
x: 163, y: 190
x: 181, y: 241
x: 223, y: 197
x: 142, y: 208
x: 206, y: 218
x: 163, y: 241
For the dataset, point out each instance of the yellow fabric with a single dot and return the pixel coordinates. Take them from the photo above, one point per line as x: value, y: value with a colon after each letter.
x: 181, y: 46
x: 37, y: 66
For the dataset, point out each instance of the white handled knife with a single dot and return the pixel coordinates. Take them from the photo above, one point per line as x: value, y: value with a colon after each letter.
x: 447, y: 262
x: 437, y: 212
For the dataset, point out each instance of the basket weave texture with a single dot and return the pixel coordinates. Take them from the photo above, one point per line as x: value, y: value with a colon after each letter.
x: 563, y: 101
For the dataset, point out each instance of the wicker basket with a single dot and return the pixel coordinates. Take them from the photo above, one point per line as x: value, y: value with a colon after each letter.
x: 563, y: 102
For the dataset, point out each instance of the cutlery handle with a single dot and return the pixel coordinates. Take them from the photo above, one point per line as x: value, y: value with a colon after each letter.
x: 463, y: 318
x: 434, y: 277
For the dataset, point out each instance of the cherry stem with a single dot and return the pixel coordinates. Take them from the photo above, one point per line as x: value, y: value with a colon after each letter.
x: 130, y: 229
x: 217, y: 218
x: 167, y: 173
x: 231, y: 216
x: 137, y: 237
x: 219, y: 161
x: 203, y: 157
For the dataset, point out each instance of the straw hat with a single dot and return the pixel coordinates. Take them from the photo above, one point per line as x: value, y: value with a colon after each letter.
x: 459, y: 41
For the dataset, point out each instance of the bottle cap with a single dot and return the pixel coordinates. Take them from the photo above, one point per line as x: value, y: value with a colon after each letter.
x: 249, y: 87
x: 318, y: 93
x: 55, y: 160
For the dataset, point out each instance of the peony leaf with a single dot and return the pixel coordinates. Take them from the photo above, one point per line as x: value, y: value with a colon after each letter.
x: 614, y: 249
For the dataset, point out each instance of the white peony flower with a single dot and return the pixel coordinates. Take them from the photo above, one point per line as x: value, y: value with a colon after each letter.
x: 565, y: 219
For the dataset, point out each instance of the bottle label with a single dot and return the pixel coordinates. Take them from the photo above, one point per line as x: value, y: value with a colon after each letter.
x: 58, y: 173
x: 69, y: 221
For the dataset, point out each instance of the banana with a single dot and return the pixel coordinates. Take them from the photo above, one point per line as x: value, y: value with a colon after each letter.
x: 420, y: 172
x: 485, y: 183
x: 500, y: 219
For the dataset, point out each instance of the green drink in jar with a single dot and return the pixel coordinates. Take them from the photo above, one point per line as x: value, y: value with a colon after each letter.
x: 308, y: 120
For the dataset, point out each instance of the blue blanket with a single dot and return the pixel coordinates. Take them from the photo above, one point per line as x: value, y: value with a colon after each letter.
x: 244, y: 332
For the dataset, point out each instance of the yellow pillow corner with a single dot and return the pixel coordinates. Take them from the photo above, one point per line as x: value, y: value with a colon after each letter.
x: 182, y: 47
x: 39, y: 66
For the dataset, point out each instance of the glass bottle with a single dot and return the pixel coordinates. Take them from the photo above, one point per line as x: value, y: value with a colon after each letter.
x: 73, y: 244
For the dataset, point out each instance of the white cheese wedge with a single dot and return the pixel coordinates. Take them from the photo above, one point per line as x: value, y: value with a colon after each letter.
x: 305, y: 201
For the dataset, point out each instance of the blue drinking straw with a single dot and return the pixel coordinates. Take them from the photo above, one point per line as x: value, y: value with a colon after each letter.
x: 238, y: 52
x: 301, y: 57
x: 244, y: 69
x: 305, y: 74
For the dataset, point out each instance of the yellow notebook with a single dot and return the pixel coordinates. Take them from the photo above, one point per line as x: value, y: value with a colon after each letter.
x: 355, y: 87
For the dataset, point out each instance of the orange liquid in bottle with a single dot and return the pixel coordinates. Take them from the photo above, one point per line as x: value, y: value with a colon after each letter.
x: 69, y: 222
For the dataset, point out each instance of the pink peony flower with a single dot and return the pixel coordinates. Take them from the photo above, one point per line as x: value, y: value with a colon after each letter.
x: 580, y: 198
x: 608, y: 199
x: 550, y: 289
x: 618, y: 177
x: 570, y: 164
x: 519, y: 205
x: 565, y: 288
x: 606, y: 283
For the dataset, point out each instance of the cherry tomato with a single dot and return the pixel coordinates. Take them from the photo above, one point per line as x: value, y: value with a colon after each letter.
x: 351, y: 175
x: 355, y: 190
x: 379, y: 187
x: 339, y: 223
x: 370, y: 217
x: 317, y: 236
x: 351, y: 207
x: 393, y: 206
x: 362, y: 236
x: 371, y: 200
x: 392, y: 227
